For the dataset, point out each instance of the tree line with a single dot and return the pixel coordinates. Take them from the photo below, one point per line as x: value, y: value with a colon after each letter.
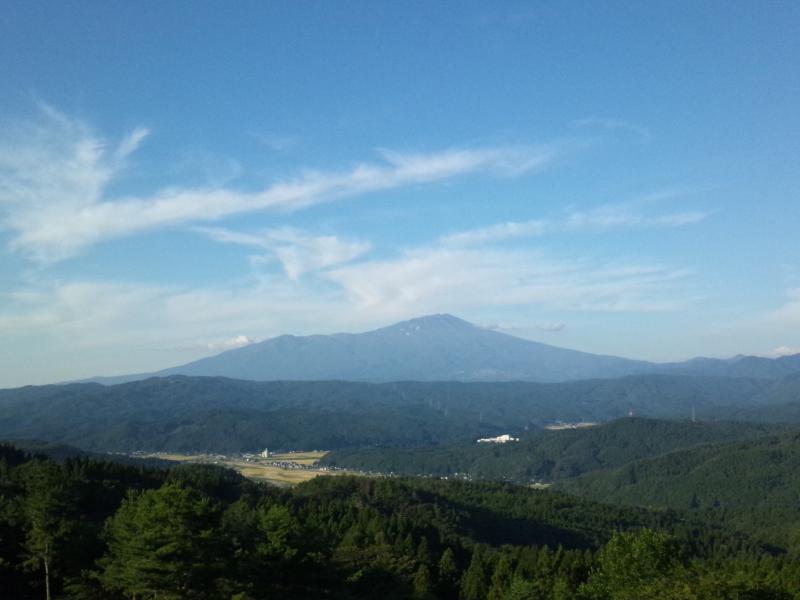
x: 86, y: 528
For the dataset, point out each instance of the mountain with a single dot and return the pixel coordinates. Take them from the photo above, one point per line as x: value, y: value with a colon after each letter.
x: 442, y: 348
x: 181, y: 413
x: 737, y: 366
x: 432, y: 348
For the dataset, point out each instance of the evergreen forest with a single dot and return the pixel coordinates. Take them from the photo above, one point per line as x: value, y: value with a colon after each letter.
x: 85, y: 528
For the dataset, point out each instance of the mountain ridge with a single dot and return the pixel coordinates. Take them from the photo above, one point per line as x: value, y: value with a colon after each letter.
x: 440, y: 347
x: 183, y: 413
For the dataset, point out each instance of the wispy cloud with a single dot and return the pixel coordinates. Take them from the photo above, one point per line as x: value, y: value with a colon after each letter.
x: 140, y: 321
x: 608, y: 217
x: 431, y: 279
x: 116, y: 326
x: 614, y: 125
x: 54, y: 186
x: 555, y: 327
x: 614, y: 216
x: 299, y: 252
x: 495, y: 233
x: 57, y: 197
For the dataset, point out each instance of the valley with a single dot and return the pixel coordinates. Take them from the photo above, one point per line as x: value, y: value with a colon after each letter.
x: 277, y: 469
x: 399, y: 300
x: 458, y: 488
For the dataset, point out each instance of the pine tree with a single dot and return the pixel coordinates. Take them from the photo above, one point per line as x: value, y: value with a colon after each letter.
x: 501, y: 579
x: 632, y: 562
x: 423, y: 552
x: 161, y: 542
x: 46, y: 508
x: 423, y: 586
x: 474, y: 583
x: 522, y: 589
x: 448, y: 572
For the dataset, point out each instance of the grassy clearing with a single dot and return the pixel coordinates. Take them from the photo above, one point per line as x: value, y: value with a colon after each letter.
x: 278, y: 475
x: 260, y: 469
x: 301, y: 458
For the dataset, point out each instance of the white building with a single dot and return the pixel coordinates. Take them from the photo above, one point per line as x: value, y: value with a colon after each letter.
x: 500, y: 439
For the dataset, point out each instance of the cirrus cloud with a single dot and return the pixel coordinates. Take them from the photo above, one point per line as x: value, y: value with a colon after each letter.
x: 604, y: 218
x: 299, y: 252
x: 55, y: 179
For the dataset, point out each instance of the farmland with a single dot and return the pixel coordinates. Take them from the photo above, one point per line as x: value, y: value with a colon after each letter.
x: 283, y: 469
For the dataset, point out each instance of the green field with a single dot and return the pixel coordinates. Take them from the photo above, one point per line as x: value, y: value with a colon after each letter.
x: 261, y: 469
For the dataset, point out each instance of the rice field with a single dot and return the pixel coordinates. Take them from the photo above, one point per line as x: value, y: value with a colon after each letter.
x: 262, y: 469
x: 301, y: 458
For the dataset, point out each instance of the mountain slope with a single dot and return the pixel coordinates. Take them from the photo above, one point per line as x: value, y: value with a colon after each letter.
x: 760, y: 472
x: 749, y: 484
x: 432, y: 348
x: 442, y: 348
x: 738, y: 366
x: 780, y: 403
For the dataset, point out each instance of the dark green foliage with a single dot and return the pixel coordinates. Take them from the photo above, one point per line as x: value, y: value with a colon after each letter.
x: 423, y: 586
x: 162, y: 542
x: 448, y: 574
x: 180, y: 413
x: 501, y: 579
x: 780, y: 404
x: 759, y: 472
x: 121, y: 532
x: 46, y: 517
x: 475, y: 582
x: 632, y: 565
x: 549, y: 455
x: 752, y: 484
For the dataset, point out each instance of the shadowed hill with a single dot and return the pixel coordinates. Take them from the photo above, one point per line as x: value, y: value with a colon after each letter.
x: 549, y: 455
x: 759, y: 472
x: 217, y: 414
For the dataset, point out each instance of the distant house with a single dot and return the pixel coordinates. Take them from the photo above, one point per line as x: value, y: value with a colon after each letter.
x: 265, y: 453
x: 500, y: 439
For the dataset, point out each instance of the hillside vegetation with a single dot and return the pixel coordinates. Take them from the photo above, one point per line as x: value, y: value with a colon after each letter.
x: 761, y: 472
x: 223, y: 415
x: 91, y: 529
x: 753, y: 482
x: 549, y: 455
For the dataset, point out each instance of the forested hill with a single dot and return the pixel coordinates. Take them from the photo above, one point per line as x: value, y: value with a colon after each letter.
x: 760, y: 472
x: 549, y: 455
x: 216, y: 414
x: 780, y: 403
x: 91, y: 529
x: 747, y: 483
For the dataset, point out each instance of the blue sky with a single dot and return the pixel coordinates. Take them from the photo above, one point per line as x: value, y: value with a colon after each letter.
x: 181, y: 178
